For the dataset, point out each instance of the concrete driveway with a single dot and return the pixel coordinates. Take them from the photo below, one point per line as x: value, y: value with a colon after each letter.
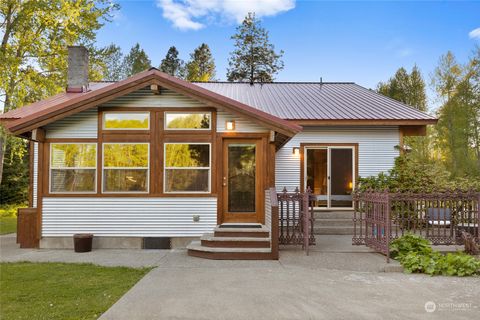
x: 185, y: 289
x: 337, y: 281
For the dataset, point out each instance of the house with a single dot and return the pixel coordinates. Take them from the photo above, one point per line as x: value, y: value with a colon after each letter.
x: 154, y: 157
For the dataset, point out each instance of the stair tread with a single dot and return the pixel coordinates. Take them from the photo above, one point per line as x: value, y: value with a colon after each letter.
x: 196, y: 245
x: 211, y: 237
x: 236, y: 230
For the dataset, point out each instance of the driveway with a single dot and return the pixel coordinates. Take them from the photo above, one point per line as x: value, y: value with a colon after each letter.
x: 336, y: 281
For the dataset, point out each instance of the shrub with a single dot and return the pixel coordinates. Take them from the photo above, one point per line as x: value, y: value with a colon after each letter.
x: 411, y: 175
x: 416, y: 256
x: 409, y: 243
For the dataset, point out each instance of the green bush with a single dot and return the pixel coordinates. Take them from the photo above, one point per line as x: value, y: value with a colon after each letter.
x: 409, y: 243
x: 416, y: 256
x: 411, y: 175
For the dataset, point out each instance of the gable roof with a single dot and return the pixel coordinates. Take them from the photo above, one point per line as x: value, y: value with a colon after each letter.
x: 62, y: 105
x: 319, y: 101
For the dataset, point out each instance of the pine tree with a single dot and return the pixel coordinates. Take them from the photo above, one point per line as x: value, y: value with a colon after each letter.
x: 201, y: 66
x: 410, y: 89
x: 136, y: 61
x: 114, y: 66
x: 254, y: 58
x: 172, y: 64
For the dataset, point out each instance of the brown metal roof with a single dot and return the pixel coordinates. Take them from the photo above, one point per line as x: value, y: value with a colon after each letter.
x: 317, y: 101
x: 62, y: 105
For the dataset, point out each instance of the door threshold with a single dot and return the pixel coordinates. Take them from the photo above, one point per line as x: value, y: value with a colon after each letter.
x: 240, y: 225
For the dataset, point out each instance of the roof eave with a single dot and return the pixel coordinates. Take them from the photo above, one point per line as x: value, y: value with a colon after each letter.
x: 364, y: 122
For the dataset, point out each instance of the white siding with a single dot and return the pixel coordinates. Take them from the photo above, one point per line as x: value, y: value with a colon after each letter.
x: 135, y: 217
x: 35, y: 175
x: 241, y: 124
x: 145, y: 98
x: 376, y: 146
x: 80, y: 125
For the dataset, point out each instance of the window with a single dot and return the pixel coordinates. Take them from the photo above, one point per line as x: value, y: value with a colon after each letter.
x: 187, y: 121
x: 73, y: 167
x: 125, y: 167
x: 187, y: 168
x: 126, y: 120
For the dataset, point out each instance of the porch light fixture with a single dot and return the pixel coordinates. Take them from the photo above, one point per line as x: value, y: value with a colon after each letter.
x: 230, y: 125
x: 296, y: 151
x: 350, y: 185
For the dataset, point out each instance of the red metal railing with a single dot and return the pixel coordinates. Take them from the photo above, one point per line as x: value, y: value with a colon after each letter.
x: 296, y: 218
x: 439, y: 217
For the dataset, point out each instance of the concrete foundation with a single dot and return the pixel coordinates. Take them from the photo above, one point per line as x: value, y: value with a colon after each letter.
x: 110, y: 242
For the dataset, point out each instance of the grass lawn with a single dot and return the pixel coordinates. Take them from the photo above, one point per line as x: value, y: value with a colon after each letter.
x: 8, y: 225
x: 8, y: 218
x: 60, y: 290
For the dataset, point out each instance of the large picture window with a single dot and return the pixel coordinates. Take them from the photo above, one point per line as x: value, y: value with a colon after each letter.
x: 126, y: 120
x: 188, y: 120
x: 125, y: 167
x: 73, y: 167
x: 187, y: 168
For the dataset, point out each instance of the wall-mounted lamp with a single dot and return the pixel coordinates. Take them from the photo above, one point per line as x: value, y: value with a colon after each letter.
x: 350, y: 185
x: 296, y: 151
x: 230, y: 125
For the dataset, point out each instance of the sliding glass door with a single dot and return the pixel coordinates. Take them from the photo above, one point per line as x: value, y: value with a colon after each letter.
x: 330, y: 174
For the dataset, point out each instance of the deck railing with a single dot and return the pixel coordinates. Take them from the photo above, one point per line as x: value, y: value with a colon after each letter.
x: 296, y: 218
x: 440, y: 217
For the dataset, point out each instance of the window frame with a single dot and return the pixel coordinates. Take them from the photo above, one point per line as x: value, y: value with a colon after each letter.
x: 209, y: 168
x: 105, y: 112
x: 166, y: 128
x: 50, y: 168
x: 125, y: 168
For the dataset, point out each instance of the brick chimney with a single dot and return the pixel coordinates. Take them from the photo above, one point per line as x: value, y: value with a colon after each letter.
x: 77, y: 75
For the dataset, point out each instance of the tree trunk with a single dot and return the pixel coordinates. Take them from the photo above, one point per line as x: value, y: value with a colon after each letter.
x: 3, y: 143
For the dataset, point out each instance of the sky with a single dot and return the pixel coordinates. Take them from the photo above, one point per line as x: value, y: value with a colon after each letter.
x: 359, y: 41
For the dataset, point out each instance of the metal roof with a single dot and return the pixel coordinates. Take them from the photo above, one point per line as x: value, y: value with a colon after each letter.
x: 317, y: 101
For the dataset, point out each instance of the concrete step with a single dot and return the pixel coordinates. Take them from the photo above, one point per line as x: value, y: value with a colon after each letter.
x: 332, y: 230
x: 262, y: 232
x: 333, y: 214
x: 209, y: 240
x: 195, y: 249
x: 333, y: 222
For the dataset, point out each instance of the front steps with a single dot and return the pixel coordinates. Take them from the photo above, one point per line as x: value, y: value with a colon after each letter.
x: 233, y: 244
x: 333, y: 223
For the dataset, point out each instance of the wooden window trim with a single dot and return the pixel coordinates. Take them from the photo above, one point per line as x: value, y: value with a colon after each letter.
x: 49, y: 172
x: 148, y: 113
x: 320, y: 145
x: 148, y: 168
x: 186, y: 130
x: 156, y: 136
x: 209, y: 168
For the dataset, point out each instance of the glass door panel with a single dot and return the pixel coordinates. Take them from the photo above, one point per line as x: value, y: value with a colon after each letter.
x: 241, y: 177
x: 341, y: 177
x: 317, y: 175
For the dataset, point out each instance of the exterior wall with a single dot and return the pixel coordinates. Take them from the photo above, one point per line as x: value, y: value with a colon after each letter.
x: 128, y: 216
x: 376, y: 150
x: 141, y: 216
x: 85, y: 124
x: 80, y: 125
x: 241, y: 125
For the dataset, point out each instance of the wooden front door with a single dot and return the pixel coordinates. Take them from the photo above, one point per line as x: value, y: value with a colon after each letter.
x: 242, y: 180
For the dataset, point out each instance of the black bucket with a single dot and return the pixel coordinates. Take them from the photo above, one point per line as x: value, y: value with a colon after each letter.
x: 82, y: 242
